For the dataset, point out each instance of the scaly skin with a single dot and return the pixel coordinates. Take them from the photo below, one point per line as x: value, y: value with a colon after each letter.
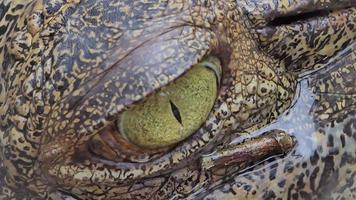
x: 323, y: 164
x: 69, y: 68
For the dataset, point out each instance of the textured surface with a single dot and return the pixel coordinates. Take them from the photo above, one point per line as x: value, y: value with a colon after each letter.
x: 323, y: 163
x: 70, y: 67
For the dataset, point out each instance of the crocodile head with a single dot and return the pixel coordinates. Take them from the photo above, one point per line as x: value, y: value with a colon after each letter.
x: 120, y: 99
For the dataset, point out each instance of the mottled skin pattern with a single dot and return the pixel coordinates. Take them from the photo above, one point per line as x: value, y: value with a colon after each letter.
x: 323, y: 165
x: 69, y: 68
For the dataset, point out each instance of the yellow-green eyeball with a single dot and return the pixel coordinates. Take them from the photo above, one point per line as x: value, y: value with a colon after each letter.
x: 176, y: 111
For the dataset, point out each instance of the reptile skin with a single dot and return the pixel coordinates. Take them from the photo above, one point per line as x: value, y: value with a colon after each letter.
x: 69, y: 68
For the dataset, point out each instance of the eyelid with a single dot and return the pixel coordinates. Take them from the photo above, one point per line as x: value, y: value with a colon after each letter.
x: 214, y: 64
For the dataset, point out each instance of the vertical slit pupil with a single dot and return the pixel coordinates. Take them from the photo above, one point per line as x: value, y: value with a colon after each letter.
x: 176, y: 112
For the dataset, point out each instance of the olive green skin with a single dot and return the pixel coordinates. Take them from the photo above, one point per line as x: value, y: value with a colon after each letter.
x: 69, y: 68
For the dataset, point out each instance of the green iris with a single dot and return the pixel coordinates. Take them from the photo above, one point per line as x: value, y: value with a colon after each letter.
x: 176, y: 111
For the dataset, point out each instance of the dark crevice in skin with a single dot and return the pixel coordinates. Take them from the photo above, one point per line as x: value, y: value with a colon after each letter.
x: 286, y: 20
x: 67, y: 194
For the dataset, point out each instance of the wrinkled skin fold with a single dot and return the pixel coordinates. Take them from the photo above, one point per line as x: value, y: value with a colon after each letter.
x: 285, y: 89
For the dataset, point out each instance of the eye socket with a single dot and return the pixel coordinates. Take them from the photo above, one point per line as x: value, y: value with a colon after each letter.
x: 176, y: 111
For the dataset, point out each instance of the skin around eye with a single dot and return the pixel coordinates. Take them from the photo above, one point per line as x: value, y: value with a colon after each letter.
x: 175, y: 112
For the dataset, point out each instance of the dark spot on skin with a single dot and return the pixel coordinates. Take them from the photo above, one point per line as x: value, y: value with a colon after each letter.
x: 57, y: 76
x: 304, y: 165
x: 37, y: 134
x: 330, y: 141
x: 232, y: 191
x: 17, y: 178
x: 300, y: 182
x: 269, y: 195
x: 313, y: 177
x: 305, y: 195
x: 282, y: 183
x: 295, y: 196
x: 334, y: 151
x: 315, y: 158
x: 273, y: 172
x: 2, y: 30
x: 346, y: 159
x: 342, y: 138
x: 290, y: 189
x: 52, y: 7
x: 289, y: 167
x: 23, y: 46
x: 328, y: 179
x: 328, y: 170
x: 40, y: 109
x: 348, y: 127
x: 247, y: 188
x: 332, y: 126
x: 307, y: 172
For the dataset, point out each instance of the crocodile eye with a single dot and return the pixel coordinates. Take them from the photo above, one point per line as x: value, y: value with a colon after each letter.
x: 176, y: 111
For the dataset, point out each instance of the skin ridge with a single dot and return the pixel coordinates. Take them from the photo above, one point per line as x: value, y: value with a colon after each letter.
x: 69, y: 68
